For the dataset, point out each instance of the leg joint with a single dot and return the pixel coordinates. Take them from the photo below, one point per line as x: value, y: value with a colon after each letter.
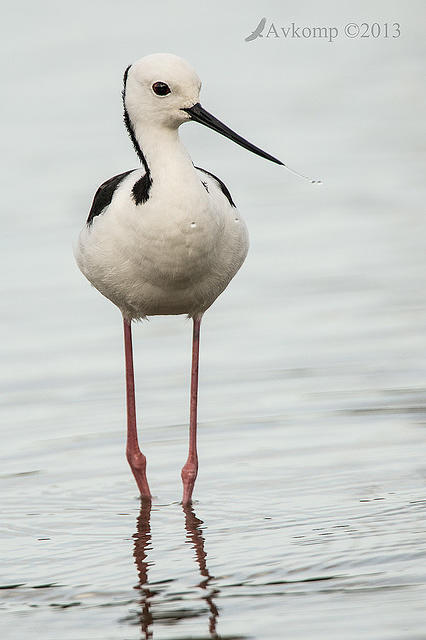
x: 189, y: 473
x: 136, y: 460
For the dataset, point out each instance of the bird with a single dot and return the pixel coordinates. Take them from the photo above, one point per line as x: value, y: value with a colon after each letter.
x: 165, y: 238
x: 257, y: 33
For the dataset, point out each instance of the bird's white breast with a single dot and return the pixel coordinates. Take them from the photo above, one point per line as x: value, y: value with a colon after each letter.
x: 173, y: 254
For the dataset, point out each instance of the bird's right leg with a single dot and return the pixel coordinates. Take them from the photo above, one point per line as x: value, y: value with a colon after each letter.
x: 190, y: 469
x: 135, y: 457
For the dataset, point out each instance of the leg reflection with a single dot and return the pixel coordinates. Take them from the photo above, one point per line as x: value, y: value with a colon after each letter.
x: 142, y: 542
x: 194, y: 536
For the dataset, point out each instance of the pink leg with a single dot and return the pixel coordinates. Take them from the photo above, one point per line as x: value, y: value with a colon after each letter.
x: 190, y: 470
x: 135, y: 457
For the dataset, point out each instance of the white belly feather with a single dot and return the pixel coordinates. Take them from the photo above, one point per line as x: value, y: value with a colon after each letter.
x: 169, y: 255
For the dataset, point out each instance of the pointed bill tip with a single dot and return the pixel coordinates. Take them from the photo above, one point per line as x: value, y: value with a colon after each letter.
x: 199, y: 114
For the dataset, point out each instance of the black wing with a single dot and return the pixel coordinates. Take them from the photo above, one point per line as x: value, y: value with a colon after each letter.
x: 104, y: 194
x: 221, y: 184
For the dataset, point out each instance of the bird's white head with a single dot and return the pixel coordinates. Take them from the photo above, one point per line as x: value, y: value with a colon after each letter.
x: 157, y: 89
x: 162, y: 91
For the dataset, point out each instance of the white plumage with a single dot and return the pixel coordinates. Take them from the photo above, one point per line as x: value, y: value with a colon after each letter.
x: 176, y: 252
x: 173, y: 254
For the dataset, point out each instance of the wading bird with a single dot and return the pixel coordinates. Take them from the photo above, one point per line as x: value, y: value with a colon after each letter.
x: 165, y: 238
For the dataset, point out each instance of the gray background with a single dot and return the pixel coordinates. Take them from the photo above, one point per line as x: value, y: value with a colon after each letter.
x: 312, y: 403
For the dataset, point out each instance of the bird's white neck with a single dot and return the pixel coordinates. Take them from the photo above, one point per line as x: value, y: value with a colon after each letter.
x: 166, y: 158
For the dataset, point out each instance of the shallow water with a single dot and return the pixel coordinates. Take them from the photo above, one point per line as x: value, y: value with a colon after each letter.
x: 309, y: 512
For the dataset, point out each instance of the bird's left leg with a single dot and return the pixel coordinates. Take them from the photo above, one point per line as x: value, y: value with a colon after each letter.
x: 135, y: 457
x: 190, y: 469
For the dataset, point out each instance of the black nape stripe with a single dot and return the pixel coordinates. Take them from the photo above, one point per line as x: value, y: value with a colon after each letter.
x: 221, y: 184
x: 129, y: 125
x: 126, y: 73
x: 141, y: 189
x: 104, y: 194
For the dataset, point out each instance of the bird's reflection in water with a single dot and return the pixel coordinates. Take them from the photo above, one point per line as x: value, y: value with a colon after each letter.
x: 194, y: 535
x: 142, y: 545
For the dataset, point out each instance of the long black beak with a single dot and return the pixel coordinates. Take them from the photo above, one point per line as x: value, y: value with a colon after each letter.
x: 199, y: 114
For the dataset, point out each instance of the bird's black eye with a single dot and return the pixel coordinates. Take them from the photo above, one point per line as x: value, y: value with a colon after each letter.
x: 160, y: 88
